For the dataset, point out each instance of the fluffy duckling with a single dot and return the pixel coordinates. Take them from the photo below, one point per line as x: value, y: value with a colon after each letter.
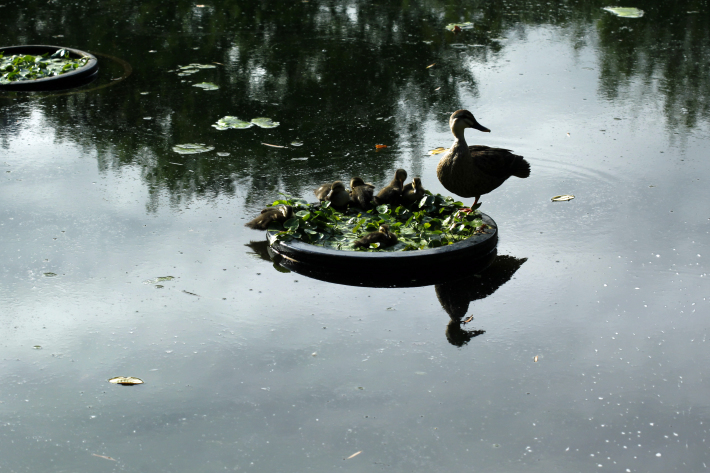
x: 280, y: 213
x: 361, y: 193
x: 322, y: 191
x: 393, y: 191
x: 383, y: 236
x: 337, y: 195
x: 471, y: 171
x: 413, y: 192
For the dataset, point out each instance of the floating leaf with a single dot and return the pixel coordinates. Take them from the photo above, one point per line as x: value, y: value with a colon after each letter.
x: 206, y: 86
x: 223, y: 153
x: 625, y: 12
x: 296, y: 143
x: 192, y: 148
x: 438, y: 150
x: 462, y: 26
x: 225, y: 123
x: 431, y: 65
x: 354, y: 455
x: 265, y: 122
x: 535, y: 359
x: 50, y: 275
x: 380, y: 146
x: 562, y: 198
x: 159, y: 279
x: 125, y: 380
x: 273, y: 146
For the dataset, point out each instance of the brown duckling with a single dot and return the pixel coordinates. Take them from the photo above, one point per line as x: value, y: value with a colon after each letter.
x: 337, y: 195
x: 280, y: 213
x: 322, y: 191
x: 471, y: 171
x: 361, y: 193
x: 413, y: 192
x: 393, y: 191
x: 383, y: 236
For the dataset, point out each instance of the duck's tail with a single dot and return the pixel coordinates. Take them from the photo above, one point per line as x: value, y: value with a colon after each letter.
x: 521, y: 168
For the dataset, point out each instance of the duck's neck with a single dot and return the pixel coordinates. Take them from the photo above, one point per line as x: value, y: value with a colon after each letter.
x: 460, y: 147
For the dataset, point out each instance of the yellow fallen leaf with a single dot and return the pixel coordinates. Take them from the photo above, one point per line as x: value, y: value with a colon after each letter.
x: 438, y: 150
x: 104, y: 457
x: 470, y: 318
x: 562, y: 198
x: 380, y: 146
x: 535, y: 359
x: 354, y: 455
x: 273, y: 146
x: 125, y: 380
x: 431, y: 65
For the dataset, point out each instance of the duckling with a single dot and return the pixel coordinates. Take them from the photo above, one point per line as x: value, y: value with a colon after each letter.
x: 361, y: 193
x: 383, y: 236
x: 471, y: 171
x: 392, y: 192
x: 280, y: 213
x: 413, y: 192
x: 322, y: 191
x: 338, y: 196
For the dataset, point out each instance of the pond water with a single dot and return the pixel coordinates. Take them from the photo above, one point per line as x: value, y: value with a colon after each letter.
x: 587, y: 350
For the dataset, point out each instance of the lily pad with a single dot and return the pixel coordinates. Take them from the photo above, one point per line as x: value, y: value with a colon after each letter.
x: 192, y: 148
x: 264, y: 122
x: 159, y: 279
x: 125, y: 380
x: 206, y: 86
x: 562, y: 198
x: 228, y: 122
x: 464, y: 26
x: 625, y: 12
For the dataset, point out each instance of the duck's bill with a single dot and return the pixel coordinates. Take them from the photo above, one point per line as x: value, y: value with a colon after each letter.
x: 479, y: 127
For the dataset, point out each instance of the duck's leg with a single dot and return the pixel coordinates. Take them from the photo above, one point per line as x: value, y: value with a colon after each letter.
x: 468, y: 210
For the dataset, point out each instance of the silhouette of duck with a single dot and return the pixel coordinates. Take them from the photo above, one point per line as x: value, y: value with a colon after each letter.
x: 338, y: 196
x: 280, y: 213
x: 413, y: 192
x: 471, y: 171
x: 361, y: 193
x: 393, y: 191
x: 381, y: 236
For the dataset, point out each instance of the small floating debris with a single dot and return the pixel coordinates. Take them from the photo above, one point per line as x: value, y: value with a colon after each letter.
x: 192, y: 148
x: 273, y: 146
x: 380, y: 146
x: 37, y: 347
x: 225, y: 123
x: 461, y: 26
x: 562, y: 198
x: 296, y: 143
x: 49, y: 275
x: 265, y: 122
x: 223, y: 154
x: 625, y: 12
x: 354, y: 455
x: 125, y: 380
x: 206, y: 86
x: 159, y: 279
x: 438, y: 150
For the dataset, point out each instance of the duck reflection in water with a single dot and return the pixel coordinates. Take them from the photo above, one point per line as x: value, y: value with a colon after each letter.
x: 455, y: 296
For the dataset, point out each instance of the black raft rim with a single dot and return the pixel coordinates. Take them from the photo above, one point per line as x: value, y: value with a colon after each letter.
x: 77, y: 77
x: 460, y: 253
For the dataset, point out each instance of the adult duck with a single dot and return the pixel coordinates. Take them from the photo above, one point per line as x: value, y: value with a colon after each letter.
x: 471, y: 171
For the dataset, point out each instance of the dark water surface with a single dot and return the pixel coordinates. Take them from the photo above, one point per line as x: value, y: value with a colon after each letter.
x: 587, y: 350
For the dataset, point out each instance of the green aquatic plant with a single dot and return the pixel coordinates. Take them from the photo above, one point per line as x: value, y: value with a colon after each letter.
x: 625, y: 12
x: 206, y: 86
x: 264, y: 122
x: 192, y: 148
x: 225, y: 123
x: 25, y: 67
x: 432, y: 222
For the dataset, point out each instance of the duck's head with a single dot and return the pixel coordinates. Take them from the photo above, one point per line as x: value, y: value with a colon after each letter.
x: 337, y: 186
x: 417, y: 183
x: 286, y: 211
x: 356, y: 181
x: 400, y: 175
x: 462, y: 119
x: 384, y: 228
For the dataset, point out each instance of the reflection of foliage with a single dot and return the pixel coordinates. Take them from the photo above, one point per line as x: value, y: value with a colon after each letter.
x: 326, y: 71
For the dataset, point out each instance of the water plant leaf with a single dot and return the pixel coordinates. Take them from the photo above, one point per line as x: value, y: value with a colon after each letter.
x: 273, y: 146
x: 625, y: 12
x: 562, y: 198
x: 225, y: 123
x: 291, y: 224
x: 462, y: 26
x: 49, y: 275
x: 192, y: 148
x: 206, y: 86
x: 438, y: 150
x: 265, y: 122
x: 125, y: 380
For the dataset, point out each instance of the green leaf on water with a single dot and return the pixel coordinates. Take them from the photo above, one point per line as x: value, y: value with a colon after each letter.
x: 225, y: 123
x: 383, y: 209
x: 264, y: 122
x: 192, y: 148
x: 206, y: 86
x: 625, y: 12
x: 291, y: 224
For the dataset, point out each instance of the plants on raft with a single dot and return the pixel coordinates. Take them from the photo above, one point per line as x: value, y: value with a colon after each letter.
x: 432, y: 222
x: 22, y: 67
